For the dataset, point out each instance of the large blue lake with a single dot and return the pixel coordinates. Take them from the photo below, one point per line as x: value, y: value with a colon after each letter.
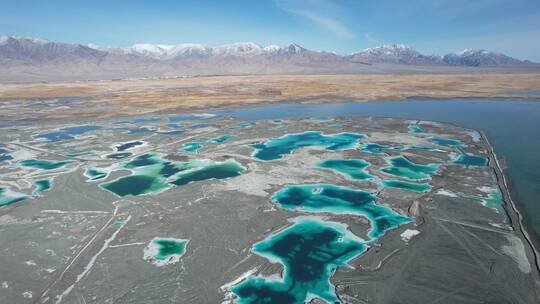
x: 512, y: 126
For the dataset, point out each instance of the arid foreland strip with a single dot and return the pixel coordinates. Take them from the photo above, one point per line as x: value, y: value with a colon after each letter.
x: 132, y: 97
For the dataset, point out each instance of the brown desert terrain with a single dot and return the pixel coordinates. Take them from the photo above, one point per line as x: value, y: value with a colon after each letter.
x: 128, y: 97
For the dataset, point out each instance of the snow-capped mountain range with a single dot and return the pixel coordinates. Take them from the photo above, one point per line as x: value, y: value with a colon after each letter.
x: 171, y: 51
x: 34, y: 57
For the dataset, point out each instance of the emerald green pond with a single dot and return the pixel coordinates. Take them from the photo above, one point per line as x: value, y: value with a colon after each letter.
x: 416, y: 187
x: 135, y: 185
x: 79, y: 154
x: 493, y: 200
x: 210, y: 171
x: 142, y: 161
x: 95, y: 174
x: 8, y: 196
x: 447, y: 142
x: 119, y: 155
x: 310, y: 252
x: 413, y: 128
x: 276, y: 148
x: 43, y: 164
x: 326, y: 198
x: 423, y: 148
x: 151, y: 174
x: 374, y: 148
x: 221, y: 139
x: 471, y: 160
x: 41, y: 185
x: 165, y: 251
x: 192, y: 147
x: 354, y: 168
x: 402, y: 167
x: 128, y: 145
x: 166, y: 248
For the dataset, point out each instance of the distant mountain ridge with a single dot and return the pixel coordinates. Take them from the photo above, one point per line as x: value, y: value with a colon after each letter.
x: 39, y: 58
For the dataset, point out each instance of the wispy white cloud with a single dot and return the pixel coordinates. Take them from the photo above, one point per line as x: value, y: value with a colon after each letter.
x: 371, y: 38
x: 324, y: 14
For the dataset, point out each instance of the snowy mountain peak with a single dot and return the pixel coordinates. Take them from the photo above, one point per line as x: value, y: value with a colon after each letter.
x: 5, y: 39
x: 166, y: 51
x: 295, y: 48
x: 390, y: 49
x: 273, y: 48
x: 395, y: 53
x: 150, y: 50
x: 468, y: 52
x: 240, y: 49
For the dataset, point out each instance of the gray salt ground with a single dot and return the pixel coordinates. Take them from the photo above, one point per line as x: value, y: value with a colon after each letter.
x: 63, y: 245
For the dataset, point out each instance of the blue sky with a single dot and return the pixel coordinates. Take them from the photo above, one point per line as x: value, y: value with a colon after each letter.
x: 431, y: 26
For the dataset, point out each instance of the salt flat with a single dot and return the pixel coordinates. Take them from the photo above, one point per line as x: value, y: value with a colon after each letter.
x: 457, y: 239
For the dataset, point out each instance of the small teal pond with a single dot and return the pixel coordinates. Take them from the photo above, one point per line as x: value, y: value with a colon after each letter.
x: 140, y: 130
x: 9, y: 197
x: 403, y: 167
x: 128, y: 145
x: 471, y: 160
x: 192, y: 147
x: 68, y: 133
x: 41, y: 185
x: 310, y: 252
x: 493, y: 200
x: 142, y: 161
x: 354, y: 168
x: 422, y: 148
x: 4, y: 155
x: 211, y: 171
x: 240, y: 126
x: 327, y: 198
x: 120, y: 155
x: 276, y: 148
x: 95, y: 174
x: 150, y: 174
x: 373, y: 148
x: 167, y: 248
x: 415, y: 187
x: 221, y: 139
x: 447, y: 142
x: 195, y: 147
x: 44, y: 164
x: 79, y: 154
x: 414, y: 128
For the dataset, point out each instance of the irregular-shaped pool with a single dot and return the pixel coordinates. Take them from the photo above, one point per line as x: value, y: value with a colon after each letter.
x: 402, y: 167
x: 310, y: 252
x: 276, y: 148
x: 327, y: 198
x: 165, y: 251
x: 353, y: 168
